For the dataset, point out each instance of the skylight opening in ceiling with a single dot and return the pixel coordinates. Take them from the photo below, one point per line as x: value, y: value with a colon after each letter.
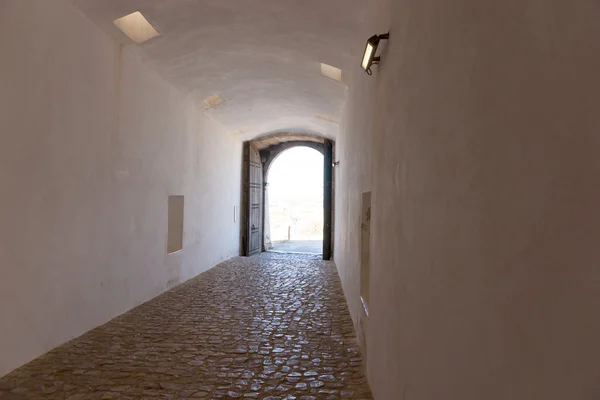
x: 136, y: 27
x: 331, y: 72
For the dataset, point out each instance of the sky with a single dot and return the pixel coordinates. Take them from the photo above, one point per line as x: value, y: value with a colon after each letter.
x: 297, y: 174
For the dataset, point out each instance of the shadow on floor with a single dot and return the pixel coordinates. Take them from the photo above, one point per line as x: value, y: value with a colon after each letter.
x: 299, y: 246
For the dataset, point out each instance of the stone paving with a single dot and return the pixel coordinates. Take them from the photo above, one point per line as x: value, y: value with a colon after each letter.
x: 274, y: 326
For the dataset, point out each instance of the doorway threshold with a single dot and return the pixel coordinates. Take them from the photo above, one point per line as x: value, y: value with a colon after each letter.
x: 298, y: 246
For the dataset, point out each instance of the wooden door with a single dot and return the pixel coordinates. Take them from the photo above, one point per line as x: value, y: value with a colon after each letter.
x: 254, y: 179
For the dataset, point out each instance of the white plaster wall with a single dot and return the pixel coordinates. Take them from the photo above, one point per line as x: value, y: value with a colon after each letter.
x: 485, y: 182
x: 352, y: 178
x: 93, y: 142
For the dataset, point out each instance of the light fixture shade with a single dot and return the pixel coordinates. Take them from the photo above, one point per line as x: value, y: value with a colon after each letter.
x: 370, y: 51
x: 369, y: 56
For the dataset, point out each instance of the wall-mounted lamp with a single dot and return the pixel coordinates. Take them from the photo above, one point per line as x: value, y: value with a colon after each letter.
x: 369, y: 58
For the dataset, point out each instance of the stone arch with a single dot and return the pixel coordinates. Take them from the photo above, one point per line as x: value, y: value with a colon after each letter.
x: 271, y: 145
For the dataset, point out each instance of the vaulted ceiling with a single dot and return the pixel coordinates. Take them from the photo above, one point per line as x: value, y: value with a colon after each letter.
x: 261, y: 57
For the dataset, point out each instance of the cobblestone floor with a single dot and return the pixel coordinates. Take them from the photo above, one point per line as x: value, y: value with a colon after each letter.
x: 274, y: 326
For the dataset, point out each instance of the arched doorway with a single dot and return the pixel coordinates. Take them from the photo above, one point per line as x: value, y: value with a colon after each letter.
x: 259, y: 154
x: 294, y: 202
